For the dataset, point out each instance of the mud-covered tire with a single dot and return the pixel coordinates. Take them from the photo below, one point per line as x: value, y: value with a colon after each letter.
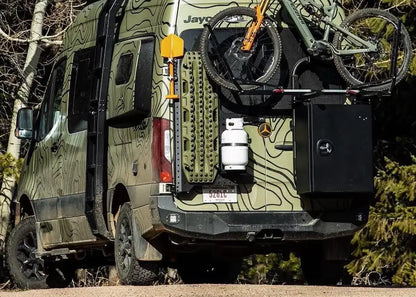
x: 321, y: 272
x: 320, y: 269
x: 27, y: 271
x: 264, y: 57
x: 346, y: 65
x: 130, y: 270
x: 203, y: 269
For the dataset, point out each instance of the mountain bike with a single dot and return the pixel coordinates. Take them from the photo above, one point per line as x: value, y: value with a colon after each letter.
x: 241, y: 48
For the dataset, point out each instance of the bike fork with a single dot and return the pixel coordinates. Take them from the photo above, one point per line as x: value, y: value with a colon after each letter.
x: 255, y: 26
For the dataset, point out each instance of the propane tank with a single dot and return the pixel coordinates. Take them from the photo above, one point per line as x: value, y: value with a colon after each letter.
x: 234, y: 145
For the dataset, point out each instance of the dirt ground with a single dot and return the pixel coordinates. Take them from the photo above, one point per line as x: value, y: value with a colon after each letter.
x: 217, y: 291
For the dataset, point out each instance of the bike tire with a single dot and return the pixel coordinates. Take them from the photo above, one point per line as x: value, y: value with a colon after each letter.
x: 376, y: 76
x: 251, y: 69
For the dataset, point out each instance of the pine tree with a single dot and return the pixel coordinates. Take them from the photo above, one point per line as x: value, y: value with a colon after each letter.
x: 387, y: 244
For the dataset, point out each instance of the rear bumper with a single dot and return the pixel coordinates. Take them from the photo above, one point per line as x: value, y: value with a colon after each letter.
x: 249, y: 226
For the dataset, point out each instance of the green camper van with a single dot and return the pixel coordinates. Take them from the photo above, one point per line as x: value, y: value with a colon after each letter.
x: 138, y: 158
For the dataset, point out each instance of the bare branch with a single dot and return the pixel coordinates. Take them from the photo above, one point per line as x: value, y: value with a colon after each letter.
x: 46, y: 39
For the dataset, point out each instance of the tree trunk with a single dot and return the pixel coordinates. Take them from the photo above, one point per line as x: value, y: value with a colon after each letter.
x: 13, y: 147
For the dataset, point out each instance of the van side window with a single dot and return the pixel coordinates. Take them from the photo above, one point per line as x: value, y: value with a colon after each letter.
x: 124, y: 68
x: 144, y: 76
x: 81, y: 90
x: 50, y: 111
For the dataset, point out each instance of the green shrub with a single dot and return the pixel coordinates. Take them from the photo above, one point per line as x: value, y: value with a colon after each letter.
x: 9, y: 166
x: 271, y: 269
x: 386, y: 246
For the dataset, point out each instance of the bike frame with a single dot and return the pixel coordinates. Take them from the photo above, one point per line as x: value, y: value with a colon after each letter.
x: 330, y: 12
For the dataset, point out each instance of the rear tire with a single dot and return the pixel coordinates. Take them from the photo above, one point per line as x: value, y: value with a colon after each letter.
x: 203, y: 269
x: 322, y: 272
x: 318, y: 269
x: 130, y: 270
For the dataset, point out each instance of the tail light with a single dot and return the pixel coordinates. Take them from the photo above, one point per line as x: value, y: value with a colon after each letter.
x: 161, y: 151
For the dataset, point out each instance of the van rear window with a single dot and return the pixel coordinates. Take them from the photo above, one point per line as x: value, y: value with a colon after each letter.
x: 144, y: 76
x: 124, y: 68
x: 81, y: 90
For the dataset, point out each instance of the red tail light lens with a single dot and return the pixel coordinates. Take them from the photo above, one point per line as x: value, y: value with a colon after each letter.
x: 161, y: 151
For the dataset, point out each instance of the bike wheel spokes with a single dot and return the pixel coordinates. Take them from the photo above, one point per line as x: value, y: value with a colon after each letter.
x: 230, y: 66
x: 379, y: 28
x: 265, y: 54
x: 377, y: 65
x: 224, y: 47
x: 230, y: 61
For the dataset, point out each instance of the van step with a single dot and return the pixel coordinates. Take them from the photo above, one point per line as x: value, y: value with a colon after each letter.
x: 199, y: 119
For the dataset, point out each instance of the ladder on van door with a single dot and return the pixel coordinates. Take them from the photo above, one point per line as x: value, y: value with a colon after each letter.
x: 97, y: 137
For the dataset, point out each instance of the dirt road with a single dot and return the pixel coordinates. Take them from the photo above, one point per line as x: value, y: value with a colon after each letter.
x: 217, y: 291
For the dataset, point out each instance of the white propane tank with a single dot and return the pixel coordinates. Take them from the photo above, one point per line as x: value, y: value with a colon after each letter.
x: 234, y: 145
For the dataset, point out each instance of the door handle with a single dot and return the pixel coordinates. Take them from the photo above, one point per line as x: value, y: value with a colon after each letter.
x: 284, y: 147
x: 54, y: 147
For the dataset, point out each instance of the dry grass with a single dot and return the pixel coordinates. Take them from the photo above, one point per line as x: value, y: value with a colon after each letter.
x: 107, y: 276
x: 101, y: 276
x: 6, y: 286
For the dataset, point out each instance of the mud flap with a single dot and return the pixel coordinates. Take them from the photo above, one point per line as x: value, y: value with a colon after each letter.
x: 143, y: 250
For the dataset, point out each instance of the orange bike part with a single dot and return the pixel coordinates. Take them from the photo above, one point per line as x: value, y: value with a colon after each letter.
x: 255, y: 26
x: 252, y: 30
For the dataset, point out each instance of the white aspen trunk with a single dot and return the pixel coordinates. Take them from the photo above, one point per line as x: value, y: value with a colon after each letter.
x: 13, y: 147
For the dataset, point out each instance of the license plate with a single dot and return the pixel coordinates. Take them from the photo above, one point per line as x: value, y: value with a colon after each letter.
x: 220, y: 195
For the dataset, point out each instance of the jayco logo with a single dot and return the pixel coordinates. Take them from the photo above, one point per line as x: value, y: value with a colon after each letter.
x: 199, y: 20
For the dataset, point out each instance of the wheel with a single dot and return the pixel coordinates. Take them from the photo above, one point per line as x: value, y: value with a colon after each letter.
x: 378, y: 27
x: 26, y: 270
x: 324, y: 272
x: 203, y: 269
x: 319, y: 270
x: 130, y: 270
x: 224, y: 45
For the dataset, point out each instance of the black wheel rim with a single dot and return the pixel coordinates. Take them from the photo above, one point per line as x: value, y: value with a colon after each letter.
x: 125, y: 245
x: 31, y: 267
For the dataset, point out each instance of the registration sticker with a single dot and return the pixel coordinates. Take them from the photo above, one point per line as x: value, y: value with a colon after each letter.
x: 220, y: 195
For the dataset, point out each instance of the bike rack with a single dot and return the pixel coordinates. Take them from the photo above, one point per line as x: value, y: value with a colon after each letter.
x: 357, y: 91
x: 306, y: 94
x: 302, y: 94
x: 395, y: 54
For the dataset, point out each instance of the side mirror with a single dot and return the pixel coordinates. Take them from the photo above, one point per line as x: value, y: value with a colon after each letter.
x: 24, y: 125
